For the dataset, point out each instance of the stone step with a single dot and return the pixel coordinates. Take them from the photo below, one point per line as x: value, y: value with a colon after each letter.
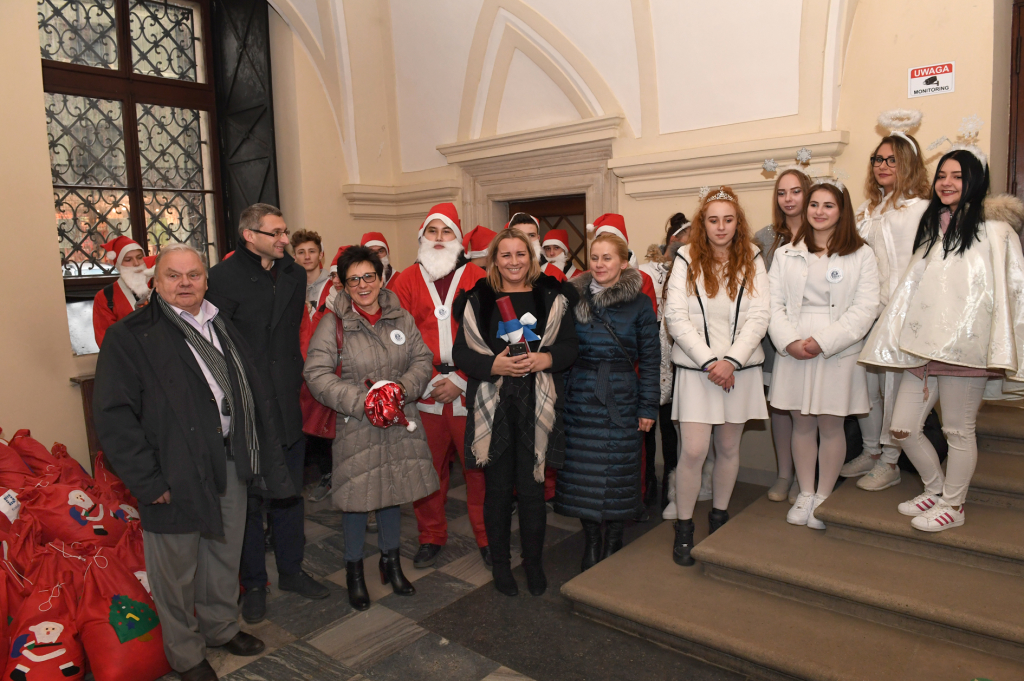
x: 990, y: 539
x: 1000, y: 427
x: 641, y: 591
x: 966, y: 606
x: 998, y: 480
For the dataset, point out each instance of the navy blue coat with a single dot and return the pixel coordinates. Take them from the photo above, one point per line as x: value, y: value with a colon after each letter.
x: 601, y: 476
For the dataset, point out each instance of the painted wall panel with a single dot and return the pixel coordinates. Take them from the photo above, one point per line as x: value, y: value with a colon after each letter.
x: 531, y: 99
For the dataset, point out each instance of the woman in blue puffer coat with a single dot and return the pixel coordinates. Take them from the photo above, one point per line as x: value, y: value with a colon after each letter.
x: 608, y: 403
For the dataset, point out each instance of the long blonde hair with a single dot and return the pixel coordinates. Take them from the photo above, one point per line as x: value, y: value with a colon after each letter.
x: 490, y: 266
x: 911, y: 176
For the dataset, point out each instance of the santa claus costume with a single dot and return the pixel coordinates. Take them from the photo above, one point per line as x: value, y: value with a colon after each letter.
x: 561, y: 264
x: 374, y: 241
x: 427, y: 290
x: 476, y: 243
x: 131, y: 290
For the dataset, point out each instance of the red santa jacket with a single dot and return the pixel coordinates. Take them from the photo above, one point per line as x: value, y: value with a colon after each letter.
x: 648, y: 288
x: 104, y: 314
x: 553, y: 270
x: 434, y: 320
x: 312, y: 316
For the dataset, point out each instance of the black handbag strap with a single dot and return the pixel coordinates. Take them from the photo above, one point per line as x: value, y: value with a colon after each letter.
x: 604, y: 320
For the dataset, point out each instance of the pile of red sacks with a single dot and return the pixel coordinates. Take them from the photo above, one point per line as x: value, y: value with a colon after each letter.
x: 74, y: 596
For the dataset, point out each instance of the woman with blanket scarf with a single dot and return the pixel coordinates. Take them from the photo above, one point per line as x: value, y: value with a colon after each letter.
x: 514, y: 426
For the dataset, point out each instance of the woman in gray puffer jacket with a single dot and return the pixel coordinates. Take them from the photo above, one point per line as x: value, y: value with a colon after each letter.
x: 374, y: 469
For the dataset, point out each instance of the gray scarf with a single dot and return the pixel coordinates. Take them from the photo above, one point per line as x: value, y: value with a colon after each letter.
x: 218, y: 366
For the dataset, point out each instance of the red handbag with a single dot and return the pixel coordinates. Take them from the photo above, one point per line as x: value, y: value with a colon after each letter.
x: 319, y: 420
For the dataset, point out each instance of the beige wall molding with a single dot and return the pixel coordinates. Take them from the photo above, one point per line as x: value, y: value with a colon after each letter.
x: 376, y: 202
x: 553, y: 137
x: 684, y: 171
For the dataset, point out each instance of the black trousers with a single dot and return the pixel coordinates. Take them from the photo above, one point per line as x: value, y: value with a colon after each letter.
x: 669, y: 442
x: 318, y: 452
x: 511, y: 471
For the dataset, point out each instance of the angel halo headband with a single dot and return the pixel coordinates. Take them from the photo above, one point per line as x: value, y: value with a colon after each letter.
x: 803, y: 159
x: 901, y: 121
x: 970, y: 131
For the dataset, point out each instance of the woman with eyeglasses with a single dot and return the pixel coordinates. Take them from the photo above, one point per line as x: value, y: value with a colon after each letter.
x: 375, y: 469
x: 897, y: 190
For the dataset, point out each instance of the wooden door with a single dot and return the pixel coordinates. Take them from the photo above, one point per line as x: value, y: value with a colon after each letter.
x: 560, y: 212
x: 1015, y: 172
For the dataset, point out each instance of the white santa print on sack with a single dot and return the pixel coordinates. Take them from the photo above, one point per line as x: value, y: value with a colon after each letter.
x: 143, y: 580
x: 126, y: 513
x: 45, y: 647
x: 81, y: 507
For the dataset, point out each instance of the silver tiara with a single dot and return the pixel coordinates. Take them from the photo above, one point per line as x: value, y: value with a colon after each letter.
x: 803, y: 159
x: 970, y: 131
x: 722, y: 195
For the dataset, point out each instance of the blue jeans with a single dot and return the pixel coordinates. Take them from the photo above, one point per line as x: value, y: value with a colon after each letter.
x: 287, y: 517
x: 389, y: 527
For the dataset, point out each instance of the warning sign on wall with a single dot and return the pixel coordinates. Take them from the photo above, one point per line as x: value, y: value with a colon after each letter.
x: 937, y: 79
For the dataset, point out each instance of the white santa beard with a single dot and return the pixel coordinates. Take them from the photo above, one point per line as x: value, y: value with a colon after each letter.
x: 438, y: 262
x: 137, y: 280
x: 559, y: 260
x: 385, y: 261
x: 538, y: 250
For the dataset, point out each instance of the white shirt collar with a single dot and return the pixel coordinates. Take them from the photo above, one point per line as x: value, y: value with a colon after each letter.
x: 207, y: 312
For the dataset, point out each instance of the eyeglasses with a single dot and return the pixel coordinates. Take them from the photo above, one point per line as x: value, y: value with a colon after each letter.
x: 276, y: 234
x: 369, y: 278
x: 877, y: 161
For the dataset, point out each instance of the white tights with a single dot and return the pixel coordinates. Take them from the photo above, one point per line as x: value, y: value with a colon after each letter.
x: 829, y: 455
x: 694, y: 439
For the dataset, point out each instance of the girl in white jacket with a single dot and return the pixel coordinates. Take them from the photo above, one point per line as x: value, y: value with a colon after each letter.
x: 717, y: 311
x: 956, y: 325
x: 824, y: 298
x: 898, y: 190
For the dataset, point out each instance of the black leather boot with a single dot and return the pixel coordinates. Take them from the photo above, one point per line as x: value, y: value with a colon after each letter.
x: 683, y: 543
x: 592, y: 549
x: 716, y: 519
x: 391, y: 571
x: 358, y: 596
x: 536, y: 580
x: 503, y: 579
x: 612, y: 538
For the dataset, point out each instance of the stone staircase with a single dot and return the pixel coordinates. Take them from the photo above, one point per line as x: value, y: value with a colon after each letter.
x: 868, y: 599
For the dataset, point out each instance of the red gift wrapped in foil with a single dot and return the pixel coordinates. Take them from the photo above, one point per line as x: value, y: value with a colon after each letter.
x: 385, y: 406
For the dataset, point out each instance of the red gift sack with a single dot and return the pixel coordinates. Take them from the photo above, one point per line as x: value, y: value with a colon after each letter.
x: 120, y: 628
x: 107, y: 482
x: 71, y: 472
x: 33, y: 453
x: 13, y: 471
x: 73, y: 515
x: 44, y: 638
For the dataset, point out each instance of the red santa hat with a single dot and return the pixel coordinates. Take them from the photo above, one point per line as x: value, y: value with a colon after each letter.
x: 120, y: 247
x: 477, y: 240
x: 508, y: 224
x: 150, y: 261
x: 557, y: 237
x: 334, y: 262
x: 446, y: 213
x: 609, y: 223
x: 371, y: 239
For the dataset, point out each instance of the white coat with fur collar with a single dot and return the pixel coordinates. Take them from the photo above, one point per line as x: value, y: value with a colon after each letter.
x: 854, y: 299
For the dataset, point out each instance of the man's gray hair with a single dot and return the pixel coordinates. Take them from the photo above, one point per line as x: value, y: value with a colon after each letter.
x: 252, y: 216
x: 176, y: 247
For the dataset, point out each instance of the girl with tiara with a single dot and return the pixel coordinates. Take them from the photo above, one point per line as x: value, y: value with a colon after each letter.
x: 792, y: 185
x: 897, y: 190
x: 956, y: 325
x: 824, y: 293
x: 717, y: 311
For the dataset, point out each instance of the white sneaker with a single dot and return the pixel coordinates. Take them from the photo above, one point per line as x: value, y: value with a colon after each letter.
x: 801, y: 510
x: 919, y: 504
x: 940, y: 517
x: 813, y: 522
x: 670, y: 512
x: 882, y: 476
x: 862, y: 465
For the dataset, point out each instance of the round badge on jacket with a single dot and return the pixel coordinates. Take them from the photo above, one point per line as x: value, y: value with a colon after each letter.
x: 442, y: 312
x: 834, y: 275
x: 397, y: 337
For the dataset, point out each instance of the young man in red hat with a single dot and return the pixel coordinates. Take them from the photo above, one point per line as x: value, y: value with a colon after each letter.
x: 556, y: 250
x: 476, y: 244
x: 613, y: 223
x: 427, y: 291
x: 131, y: 290
x: 376, y: 242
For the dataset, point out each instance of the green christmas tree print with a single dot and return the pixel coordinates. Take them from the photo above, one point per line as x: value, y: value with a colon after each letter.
x: 131, y: 619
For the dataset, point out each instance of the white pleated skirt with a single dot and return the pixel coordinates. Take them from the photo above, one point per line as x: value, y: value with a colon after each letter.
x: 698, y: 400
x: 836, y: 386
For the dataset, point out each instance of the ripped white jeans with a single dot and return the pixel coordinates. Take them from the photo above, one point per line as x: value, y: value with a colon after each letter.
x: 961, y: 398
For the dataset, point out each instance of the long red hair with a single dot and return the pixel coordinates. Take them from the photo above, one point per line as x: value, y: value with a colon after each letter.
x: 737, y: 271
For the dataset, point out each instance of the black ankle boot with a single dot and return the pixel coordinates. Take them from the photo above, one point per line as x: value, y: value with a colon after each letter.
x: 612, y: 538
x: 358, y: 596
x: 684, y: 543
x: 536, y: 581
x: 503, y: 579
x: 592, y: 549
x: 716, y: 519
x: 391, y: 571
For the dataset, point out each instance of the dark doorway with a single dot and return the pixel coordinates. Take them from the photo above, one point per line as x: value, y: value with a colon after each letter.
x: 1015, y: 172
x: 560, y: 212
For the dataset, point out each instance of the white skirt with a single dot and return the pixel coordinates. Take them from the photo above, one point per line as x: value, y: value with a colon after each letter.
x: 835, y: 386
x: 698, y: 400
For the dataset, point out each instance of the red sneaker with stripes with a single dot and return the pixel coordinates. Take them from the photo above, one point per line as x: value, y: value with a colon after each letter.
x: 919, y: 504
x: 940, y: 517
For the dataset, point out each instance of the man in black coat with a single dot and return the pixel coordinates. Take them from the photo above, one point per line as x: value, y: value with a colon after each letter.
x: 181, y: 414
x: 262, y: 291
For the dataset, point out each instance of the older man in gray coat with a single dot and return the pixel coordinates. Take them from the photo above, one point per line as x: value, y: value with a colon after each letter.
x: 183, y: 420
